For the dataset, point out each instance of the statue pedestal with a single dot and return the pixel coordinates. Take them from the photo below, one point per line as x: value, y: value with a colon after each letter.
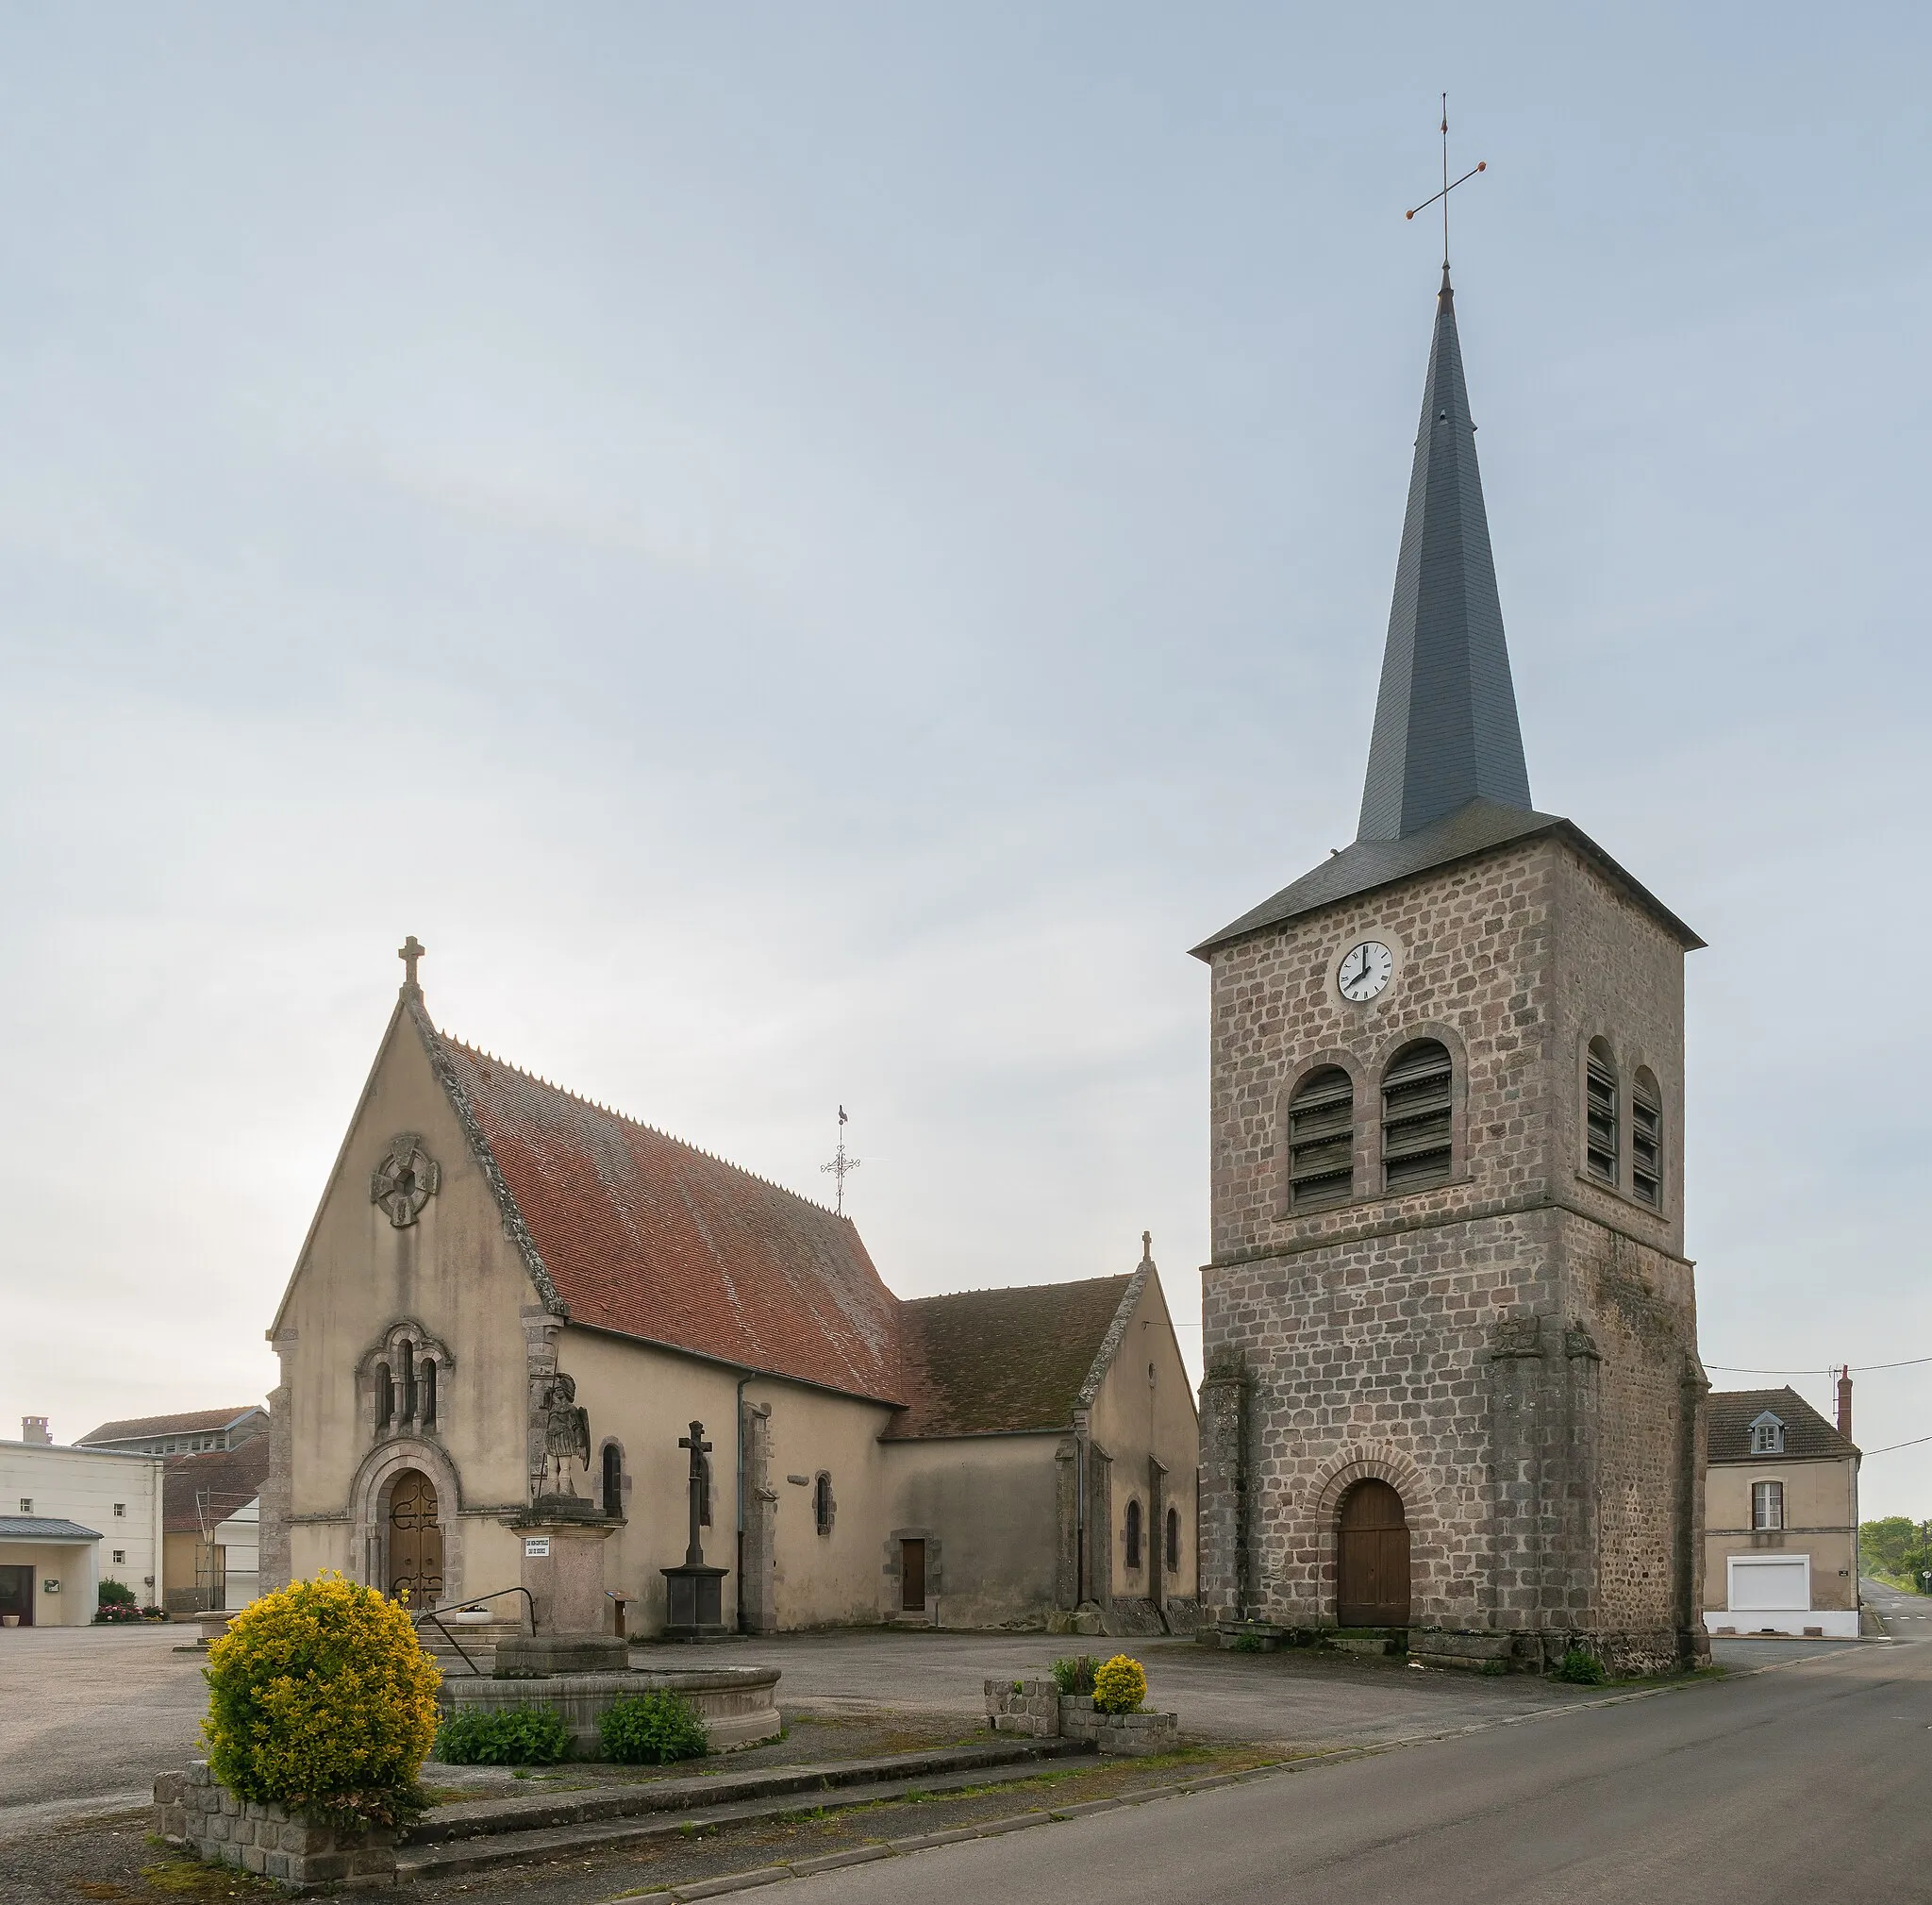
x: 563, y: 1539
x: 696, y: 1611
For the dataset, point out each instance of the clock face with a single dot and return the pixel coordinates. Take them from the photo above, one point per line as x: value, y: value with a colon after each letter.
x: 1365, y: 970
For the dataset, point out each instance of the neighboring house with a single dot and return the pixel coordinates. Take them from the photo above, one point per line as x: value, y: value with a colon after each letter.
x: 193, y: 1433
x: 514, y: 1304
x: 211, y: 1513
x: 1781, y: 1515
x: 71, y: 1518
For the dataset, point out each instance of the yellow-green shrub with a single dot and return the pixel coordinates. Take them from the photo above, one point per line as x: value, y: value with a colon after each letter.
x: 1118, y: 1685
x: 322, y: 1700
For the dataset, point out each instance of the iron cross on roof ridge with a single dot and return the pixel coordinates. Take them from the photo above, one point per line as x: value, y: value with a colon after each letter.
x: 1449, y: 185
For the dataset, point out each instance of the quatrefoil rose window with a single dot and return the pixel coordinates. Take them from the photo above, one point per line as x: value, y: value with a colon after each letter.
x: 405, y: 1181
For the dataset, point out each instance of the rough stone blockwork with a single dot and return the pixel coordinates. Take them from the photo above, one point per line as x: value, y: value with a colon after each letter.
x: 1513, y: 1350
x: 192, y: 1810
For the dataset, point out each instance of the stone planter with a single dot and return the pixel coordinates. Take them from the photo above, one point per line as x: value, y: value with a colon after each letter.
x: 738, y: 1705
x: 1039, y: 1710
x: 192, y: 1810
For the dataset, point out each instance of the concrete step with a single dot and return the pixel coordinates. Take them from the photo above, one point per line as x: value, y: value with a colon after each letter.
x: 479, y: 1643
x: 483, y: 1833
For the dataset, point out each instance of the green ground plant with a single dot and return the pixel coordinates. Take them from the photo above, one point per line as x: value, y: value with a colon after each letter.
x: 652, y: 1731
x: 1580, y: 1668
x: 1075, y: 1677
x: 502, y: 1736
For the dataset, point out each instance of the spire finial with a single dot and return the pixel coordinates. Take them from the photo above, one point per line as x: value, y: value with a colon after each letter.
x: 1449, y: 185
x: 410, y: 952
x: 1146, y: 1246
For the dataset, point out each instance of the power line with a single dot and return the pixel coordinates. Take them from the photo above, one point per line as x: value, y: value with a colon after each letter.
x: 1857, y: 1368
x: 1890, y: 1445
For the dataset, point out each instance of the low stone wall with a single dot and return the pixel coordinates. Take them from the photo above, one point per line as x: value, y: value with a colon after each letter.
x: 192, y: 1810
x: 738, y: 1705
x: 1038, y: 1709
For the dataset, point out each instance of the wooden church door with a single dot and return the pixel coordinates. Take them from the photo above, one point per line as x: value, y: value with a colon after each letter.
x: 416, y: 1541
x: 1372, y: 1559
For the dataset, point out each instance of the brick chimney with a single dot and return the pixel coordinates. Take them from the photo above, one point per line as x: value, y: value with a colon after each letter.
x: 34, y: 1428
x: 1845, y: 1402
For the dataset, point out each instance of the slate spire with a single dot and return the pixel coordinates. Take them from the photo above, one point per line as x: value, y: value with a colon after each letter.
x: 1445, y: 718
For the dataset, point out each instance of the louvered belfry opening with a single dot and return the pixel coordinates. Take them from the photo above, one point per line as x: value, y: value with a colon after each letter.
x: 1321, y: 1141
x: 1417, y: 1128
x: 1646, y: 1141
x: 1600, y: 1113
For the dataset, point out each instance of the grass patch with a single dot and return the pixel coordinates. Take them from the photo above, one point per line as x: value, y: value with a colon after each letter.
x: 185, y: 1876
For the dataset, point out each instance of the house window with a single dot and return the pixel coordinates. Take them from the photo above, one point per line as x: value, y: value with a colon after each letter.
x: 1647, y: 1141
x: 1767, y: 1504
x: 27, y: 1504
x: 120, y: 1557
x: 1133, y: 1534
x: 1174, y: 1540
x: 1416, y: 1123
x: 613, y: 1477
x: 120, y: 1508
x: 1600, y: 1113
x: 1321, y: 1141
x: 1767, y: 1435
x: 821, y: 1504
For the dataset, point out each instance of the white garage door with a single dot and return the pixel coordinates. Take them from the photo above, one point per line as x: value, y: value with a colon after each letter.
x: 1772, y: 1587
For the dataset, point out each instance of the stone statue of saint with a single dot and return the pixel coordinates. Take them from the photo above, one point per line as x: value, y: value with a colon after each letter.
x: 566, y: 1434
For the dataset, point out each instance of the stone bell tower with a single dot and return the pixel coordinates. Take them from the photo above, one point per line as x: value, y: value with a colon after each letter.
x: 1452, y: 1383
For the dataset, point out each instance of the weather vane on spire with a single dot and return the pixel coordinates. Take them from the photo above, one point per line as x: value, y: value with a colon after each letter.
x: 1449, y: 185
x: 842, y: 1166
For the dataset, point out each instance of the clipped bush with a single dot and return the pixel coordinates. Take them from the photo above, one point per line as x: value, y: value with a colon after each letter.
x: 1075, y: 1676
x: 652, y: 1729
x: 321, y: 1700
x: 114, y: 1594
x: 503, y: 1736
x: 1581, y: 1668
x: 118, y: 1613
x: 1120, y: 1686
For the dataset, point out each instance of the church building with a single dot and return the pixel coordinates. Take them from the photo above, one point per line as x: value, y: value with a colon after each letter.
x: 1453, y: 1385
x: 516, y: 1311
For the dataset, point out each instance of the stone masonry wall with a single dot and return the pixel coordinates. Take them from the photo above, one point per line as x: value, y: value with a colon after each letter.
x: 1515, y: 1350
x: 193, y: 1810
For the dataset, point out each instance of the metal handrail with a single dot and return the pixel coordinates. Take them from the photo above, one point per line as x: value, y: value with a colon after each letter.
x: 463, y: 1606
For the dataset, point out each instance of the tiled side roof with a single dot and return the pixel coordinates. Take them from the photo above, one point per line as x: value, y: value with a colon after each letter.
x: 228, y: 1477
x: 641, y: 1233
x: 985, y: 1361
x: 1807, y: 1435
x: 195, y: 1422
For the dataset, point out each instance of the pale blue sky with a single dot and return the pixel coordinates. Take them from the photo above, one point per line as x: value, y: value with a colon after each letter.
x: 809, y: 552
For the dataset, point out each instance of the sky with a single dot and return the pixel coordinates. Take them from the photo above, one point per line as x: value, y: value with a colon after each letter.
x: 809, y: 553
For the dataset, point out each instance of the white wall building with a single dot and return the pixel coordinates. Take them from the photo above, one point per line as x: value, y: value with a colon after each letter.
x: 69, y: 1519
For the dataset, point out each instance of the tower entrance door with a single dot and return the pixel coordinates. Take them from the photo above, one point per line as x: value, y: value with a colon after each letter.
x: 1372, y: 1559
x: 416, y: 1541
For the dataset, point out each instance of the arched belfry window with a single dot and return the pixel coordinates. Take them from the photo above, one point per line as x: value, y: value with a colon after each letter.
x: 1600, y: 1113
x: 1321, y: 1141
x: 613, y: 1481
x: 1133, y: 1534
x: 1416, y: 1117
x: 1647, y: 1141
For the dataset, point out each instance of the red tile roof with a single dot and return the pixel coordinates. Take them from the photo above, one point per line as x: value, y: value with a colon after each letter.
x: 195, y: 1422
x: 983, y: 1362
x: 641, y: 1233
x: 214, y: 1483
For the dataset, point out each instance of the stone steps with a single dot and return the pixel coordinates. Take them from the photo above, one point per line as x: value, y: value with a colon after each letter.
x: 478, y: 1834
x: 480, y: 1643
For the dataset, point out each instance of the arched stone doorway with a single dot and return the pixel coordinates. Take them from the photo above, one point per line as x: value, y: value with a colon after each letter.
x: 412, y: 1543
x: 1372, y: 1559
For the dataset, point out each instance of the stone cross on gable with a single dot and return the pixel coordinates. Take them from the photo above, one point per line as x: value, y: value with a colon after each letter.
x: 410, y: 952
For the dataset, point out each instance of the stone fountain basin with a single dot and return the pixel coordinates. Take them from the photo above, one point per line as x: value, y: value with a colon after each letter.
x: 738, y: 1705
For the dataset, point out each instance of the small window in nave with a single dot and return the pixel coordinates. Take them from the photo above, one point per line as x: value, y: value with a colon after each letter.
x: 1133, y: 1534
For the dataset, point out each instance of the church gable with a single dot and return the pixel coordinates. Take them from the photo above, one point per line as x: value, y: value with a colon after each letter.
x: 639, y: 1233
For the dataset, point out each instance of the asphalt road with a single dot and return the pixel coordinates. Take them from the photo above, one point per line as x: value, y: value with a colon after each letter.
x: 1806, y: 1780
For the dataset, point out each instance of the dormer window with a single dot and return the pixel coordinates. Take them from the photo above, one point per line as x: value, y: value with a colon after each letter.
x: 1767, y: 1436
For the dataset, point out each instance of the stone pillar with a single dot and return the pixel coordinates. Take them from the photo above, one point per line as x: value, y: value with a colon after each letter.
x: 758, y: 1611
x: 1066, y: 1590
x: 1574, y: 1599
x: 276, y: 1490
x: 563, y: 1570
x: 1516, y: 1500
x: 1693, y: 1391
x: 1223, y: 1536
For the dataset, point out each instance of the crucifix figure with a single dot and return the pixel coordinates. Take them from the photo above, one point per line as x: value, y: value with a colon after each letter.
x: 699, y: 1485
x: 1448, y: 186
x: 410, y: 952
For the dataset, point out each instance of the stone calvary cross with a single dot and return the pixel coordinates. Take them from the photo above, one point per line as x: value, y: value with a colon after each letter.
x: 694, y: 1592
x: 700, y: 1472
